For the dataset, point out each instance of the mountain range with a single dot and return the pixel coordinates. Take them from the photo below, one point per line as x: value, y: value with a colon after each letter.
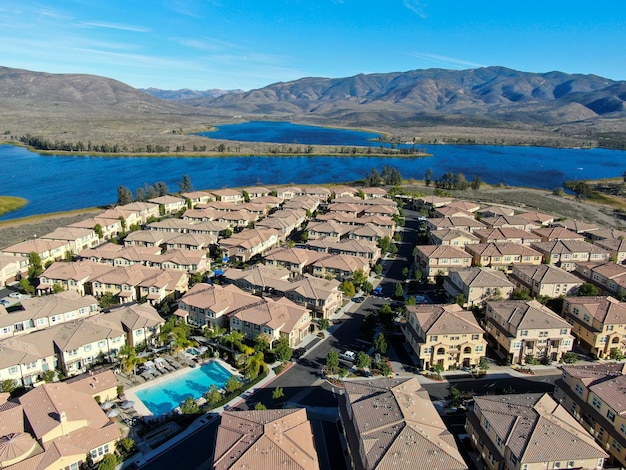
x: 584, y: 106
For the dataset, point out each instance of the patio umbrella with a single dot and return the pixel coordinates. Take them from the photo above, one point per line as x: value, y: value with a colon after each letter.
x: 159, y: 360
x: 107, y: 405
x: 127, y: 404
x: 112, y: 413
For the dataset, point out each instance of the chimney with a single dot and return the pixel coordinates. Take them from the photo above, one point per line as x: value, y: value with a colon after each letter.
x: 62, y: 417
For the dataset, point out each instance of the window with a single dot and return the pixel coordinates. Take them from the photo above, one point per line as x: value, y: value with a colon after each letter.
x: 596, y: 402
x: 622, y: 428
x: 487, y: 424
x: 524, y: 333
x: 517, y: 345
x: 13, y: 370
x: 479, y: 348
x: 433, y: 338
x: 475, y: 337
x: 556, y: 465
x: 579, y: 389
x: 102, y: 343
x: 570, y: 464
x: 616, y: 445
x: 87, y: 347
x: 563, y: 331
x: 100, y: 451
x: 611, y: 415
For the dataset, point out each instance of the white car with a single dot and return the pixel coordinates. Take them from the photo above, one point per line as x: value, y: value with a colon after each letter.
x: 349, y: 356
x: 15, y: 295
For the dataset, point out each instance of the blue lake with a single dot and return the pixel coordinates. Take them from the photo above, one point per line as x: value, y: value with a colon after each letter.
x: 59, y: 183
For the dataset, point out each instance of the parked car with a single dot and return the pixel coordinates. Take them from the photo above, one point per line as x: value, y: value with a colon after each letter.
x: 15, y: 295
x: 349, y: 356
x: 299, y: 352
x: 358, y: 300
x: 4, y: 302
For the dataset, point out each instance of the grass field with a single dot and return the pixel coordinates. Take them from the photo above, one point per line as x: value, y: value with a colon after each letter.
x: 11, y: 203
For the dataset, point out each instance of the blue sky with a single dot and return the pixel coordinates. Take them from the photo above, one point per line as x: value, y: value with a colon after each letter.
x: 228, y: 44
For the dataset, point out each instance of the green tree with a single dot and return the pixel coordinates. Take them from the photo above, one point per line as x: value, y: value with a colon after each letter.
x: 323, y: 324
x: 282, y: 351
x: 99, y: 232
x: 185, y: 185
x: 107, y: 300
x: 260, y: 407
x: 35, y: 267
x: 124, y: 195
x: 332, y: 361
x: 56, y: 288
x: 232, y: 384
x: 358, y: 278
x: 570, y: 358
x: 460, y: 299
x: 129, y: 359
x: 378, y: 269
x: 48, y: 376
x: 348, y: 288
x: 362, y: 360
x: 189, y: 406
x: 616, y: 354
x: 212, y: 395
x: 380, y: 344
x: 428, y: 176
x: 588, y: 290
x: 254, y: 365
x: 398, y: 290
x: 26, y: 286
x: 108, y: 462
x: 385, y: 368
x: 476, y: 183
x: 278, y: 393
x: 234, y: 337
x: 385, y: 244
x: 125, y: 445
x: 367, y: 287
x: 8, y: 385
x: 520, y: 294
x: 262, y: 342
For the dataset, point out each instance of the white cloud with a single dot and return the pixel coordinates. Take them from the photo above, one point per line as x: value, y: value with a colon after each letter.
x: 117, y: 26
x: 416, y: 7
x: 441, y: 59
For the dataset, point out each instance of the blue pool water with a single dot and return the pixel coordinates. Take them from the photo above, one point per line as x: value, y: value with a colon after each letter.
x: 165, y: 396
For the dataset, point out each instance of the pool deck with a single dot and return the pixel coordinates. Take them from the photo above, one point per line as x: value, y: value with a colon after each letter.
x: 142, y: 410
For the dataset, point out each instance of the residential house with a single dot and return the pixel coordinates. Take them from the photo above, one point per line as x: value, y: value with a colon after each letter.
x: 616, y: 247
x: 308, y: 203
x: 342, y: 191
x: 467, y: 206
x: 514, y: 221
x: 363, y: 249
x: 477, y: 285
x: 550, y: 234
x: 431, y: 202
x: 198, y: 197
x: 189, y: 241
x: 24, y: 360
x: 374, y: 193
x: 577, y: 226
x: 48, y: 250
x: 54, y: 426
x: 598, y: 323
x: 318, y: 230
x: 319, y: 192
x: 610, y: 277
x: 379, y: 418
x: 141, y: 323
x: 453, y: 237
x: 520, y: 329
x: 258, y: 279
x: 148, y: 238
x: 538, y: 217
x: 278, y: 319
x: 288, y: 192
x: 604, y: 233
x: 296, y: 260
x: 120, y: 255
x: 237, y: 219
x: 142, y: 212
x: 228, y: 195
x: 77, y: 238
x: 444, y: 335
x: 73, y: 276
x: 322, y: 296
x: 503, y: 256
x: 37, y: 313
x: 369, y: 233
x: 433, y: 260
x: 339, y: 267
x: 111, y: 228
x: 529, y: 431
x: 258, y: 438
x: 506, y: 235
x: 284, y: 221
x: 210, y: 305
x: 545, y: 280
x: 567, y: 254
x: 11, y: 267
x: 101, y: 384
x: 495, y: 211
x: 594, y: 395
x: 169, y: 204
x: 448, y: 211
x: 468, y: 224
x: 255, y: 192
x: 248, y: 243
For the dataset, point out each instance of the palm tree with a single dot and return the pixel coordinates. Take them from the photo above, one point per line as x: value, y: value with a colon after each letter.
x: 129, y: 359
x: 254, y: 365
x: 232, y: 338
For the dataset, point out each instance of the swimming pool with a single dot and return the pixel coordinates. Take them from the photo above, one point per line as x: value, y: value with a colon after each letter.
x: 163, y: 397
